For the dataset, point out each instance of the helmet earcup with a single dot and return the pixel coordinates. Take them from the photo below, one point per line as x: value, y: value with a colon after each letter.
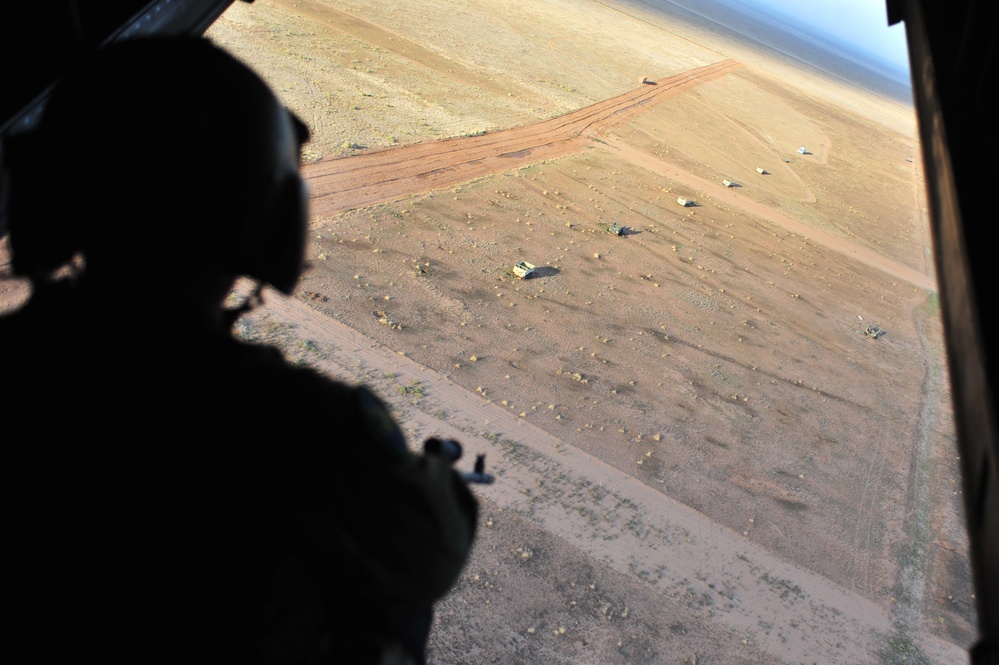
x: 280, y: 257
x: 187, y: 102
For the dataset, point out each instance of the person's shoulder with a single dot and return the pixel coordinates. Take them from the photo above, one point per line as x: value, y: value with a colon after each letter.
x: 306, y: 388
x: 252, y: 363
x: 275, y: 395
x: 265, y: 371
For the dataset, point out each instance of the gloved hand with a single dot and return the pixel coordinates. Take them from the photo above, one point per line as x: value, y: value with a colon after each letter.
x: 451, y: 450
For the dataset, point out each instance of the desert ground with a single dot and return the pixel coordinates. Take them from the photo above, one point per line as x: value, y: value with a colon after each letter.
x: 700, y: 457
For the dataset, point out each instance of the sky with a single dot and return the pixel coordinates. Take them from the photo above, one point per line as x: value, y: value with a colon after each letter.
x: 861, y: 23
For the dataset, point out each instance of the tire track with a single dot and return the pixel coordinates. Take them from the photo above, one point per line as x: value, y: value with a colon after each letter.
x: 384, y: 175
x: 745, y: 204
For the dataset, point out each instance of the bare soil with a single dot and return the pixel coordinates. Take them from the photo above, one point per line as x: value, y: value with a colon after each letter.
x: 700, y: 457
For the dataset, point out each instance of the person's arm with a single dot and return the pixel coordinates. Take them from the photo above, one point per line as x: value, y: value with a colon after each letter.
x: 404, y: 522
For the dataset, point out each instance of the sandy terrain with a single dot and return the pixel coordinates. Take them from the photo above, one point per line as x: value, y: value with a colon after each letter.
x: 699, y: 455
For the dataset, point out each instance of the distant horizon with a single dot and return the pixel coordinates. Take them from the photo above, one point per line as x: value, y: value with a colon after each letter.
x: 859, y: 27
x: 872, y: 53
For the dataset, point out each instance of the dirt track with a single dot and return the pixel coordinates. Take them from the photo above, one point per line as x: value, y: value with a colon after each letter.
x: 385, y: 175
x: 818, y: 236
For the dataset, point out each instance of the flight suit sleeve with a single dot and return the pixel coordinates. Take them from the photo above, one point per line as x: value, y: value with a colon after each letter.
x: 403, y: 522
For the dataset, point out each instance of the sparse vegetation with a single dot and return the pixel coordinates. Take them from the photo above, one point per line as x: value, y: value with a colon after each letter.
x: 899, y: 649
x: 414, y: 389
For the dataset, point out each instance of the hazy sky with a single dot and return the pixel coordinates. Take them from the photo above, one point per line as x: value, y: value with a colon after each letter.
x: 862, y: 23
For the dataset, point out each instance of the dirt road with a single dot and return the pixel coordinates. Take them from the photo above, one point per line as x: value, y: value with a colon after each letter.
x: 385, y: 175
x: 745, y: 204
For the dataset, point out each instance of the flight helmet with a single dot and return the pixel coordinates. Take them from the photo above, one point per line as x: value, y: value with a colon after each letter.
x: 167, y: 153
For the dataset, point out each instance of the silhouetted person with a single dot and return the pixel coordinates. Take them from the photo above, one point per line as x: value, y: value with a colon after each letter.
x: 173, y: 493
